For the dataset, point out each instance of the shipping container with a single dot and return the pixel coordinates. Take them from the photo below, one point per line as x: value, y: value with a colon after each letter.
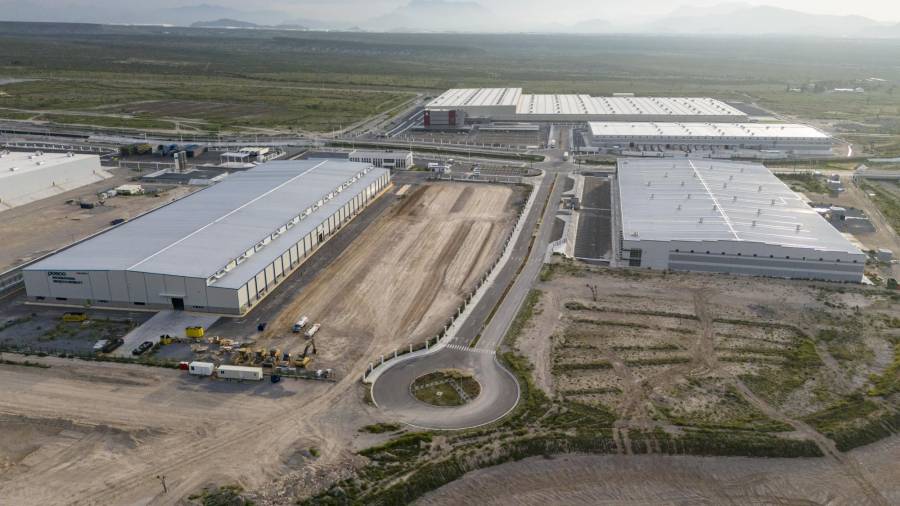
x: 201, y: 368
x: 237, y: 372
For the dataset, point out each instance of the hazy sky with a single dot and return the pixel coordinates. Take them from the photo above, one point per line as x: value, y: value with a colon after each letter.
x: 525, y: 12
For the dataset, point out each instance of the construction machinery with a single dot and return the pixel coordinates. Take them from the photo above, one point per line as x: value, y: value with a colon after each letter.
x: 74, y: 317
x: 306, y: 357
x: 242, y: 356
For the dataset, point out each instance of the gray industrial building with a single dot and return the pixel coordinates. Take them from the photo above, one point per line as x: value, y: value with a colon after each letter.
x: 719, y: 216
x: 388, y: 159
x: 27, y: 177
x: 656, y: 136
x: 219, y: 250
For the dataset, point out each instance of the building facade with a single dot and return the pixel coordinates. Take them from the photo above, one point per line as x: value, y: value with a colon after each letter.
x: 383, y: 159
x: 219, y: 250
x: 27, y: 177
x: 717, y: 216
x: 672, y: 136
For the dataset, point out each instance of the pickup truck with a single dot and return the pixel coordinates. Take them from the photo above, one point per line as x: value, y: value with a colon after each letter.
x: 112, y: 344
x: 300, y: 324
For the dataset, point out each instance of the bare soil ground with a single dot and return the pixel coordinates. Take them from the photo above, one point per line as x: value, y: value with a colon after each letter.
x: 677, y: 351
x: 667, y: 346
x: 648, y: 479
x: 405, y: 274
x: 99, y: 433
x: 40, y: 227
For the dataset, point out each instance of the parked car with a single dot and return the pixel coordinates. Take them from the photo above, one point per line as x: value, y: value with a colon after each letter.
x: 146, y: 345
x: 300, y: 324
x: 112, y: 344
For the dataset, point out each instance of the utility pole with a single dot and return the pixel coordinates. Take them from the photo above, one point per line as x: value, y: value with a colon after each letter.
x: 162, y: 479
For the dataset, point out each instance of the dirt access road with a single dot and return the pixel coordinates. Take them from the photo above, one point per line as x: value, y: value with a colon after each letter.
x: 653, y: 479
x: 405, y: 275
x: 99, y: 433
x: 40, y: 227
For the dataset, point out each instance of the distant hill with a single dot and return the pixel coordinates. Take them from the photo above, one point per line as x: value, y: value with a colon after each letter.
x: 436, y: 16
x: 740, y: 19
x: 224, y: 23
x: 592, y: 26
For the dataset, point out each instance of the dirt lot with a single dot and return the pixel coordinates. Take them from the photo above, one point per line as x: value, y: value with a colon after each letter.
x: 406, y: 274
x: 40, y: 227
x: 89, y: 433
x: 714, y: 352
x: 647, y: 479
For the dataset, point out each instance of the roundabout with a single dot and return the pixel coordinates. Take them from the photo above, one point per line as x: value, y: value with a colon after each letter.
x: 447, y: 387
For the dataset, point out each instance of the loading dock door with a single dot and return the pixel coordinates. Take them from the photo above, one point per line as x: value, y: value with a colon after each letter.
x: 178, y: 303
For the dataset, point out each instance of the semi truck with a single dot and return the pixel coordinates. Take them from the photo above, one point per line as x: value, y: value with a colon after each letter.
x: 240, y: 373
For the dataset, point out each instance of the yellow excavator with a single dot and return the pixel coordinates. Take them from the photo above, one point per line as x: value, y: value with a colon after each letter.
x: 304, y: 359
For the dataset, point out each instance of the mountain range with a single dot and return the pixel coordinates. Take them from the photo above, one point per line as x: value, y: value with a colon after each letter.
x: 470, y: 16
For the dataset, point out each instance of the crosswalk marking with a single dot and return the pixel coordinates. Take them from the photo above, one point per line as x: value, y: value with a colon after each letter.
x: 473, y: 350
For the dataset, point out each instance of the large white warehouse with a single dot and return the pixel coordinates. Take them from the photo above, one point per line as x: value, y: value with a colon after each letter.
x: 219, y: 250
x: 718, y: 216
x: 510, y: 104
x: 26, y: 177
x: 783, y: 137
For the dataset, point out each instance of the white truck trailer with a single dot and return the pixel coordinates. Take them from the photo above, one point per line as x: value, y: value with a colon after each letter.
x: 201, y: 368
x: 240, y: 373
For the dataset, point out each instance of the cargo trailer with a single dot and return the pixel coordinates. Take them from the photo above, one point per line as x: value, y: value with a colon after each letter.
x: 201, y: 368
x: 237, y: 372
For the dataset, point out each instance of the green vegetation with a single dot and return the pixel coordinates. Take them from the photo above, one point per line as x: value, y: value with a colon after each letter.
x: 26, y: 363
x: 380, y: 428
x: 324, y: 80
x: 524, y: 316
x: 228, y: 495
x: 888, y: 382
x: 855, y: 421
x: 445, y: 388
x: 776, y: 382
x: 730, y: 411
x: 804, y: 182
x: 578, y: 306
x: 886, y: 202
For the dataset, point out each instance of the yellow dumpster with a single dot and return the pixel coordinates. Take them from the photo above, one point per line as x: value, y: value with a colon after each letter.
x: 194, y: 331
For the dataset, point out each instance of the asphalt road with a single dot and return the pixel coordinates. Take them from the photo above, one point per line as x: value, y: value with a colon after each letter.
x: 499, y: 388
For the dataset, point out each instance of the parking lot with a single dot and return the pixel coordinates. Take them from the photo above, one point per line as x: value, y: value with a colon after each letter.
x: 594, y: 235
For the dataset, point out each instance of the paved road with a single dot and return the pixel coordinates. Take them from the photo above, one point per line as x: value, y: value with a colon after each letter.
x: 499, y: 388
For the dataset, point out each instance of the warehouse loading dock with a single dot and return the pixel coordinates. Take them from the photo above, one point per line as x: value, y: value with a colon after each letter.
x: 221, y: 250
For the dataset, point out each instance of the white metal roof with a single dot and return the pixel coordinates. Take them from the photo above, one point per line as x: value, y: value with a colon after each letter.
x: 477, y: 97
x: 200, y: 234
x: 625, y: 106
x: 31, y: 162
x: 706, y: 130
x: 706, y: 200
x: 573, y: 104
